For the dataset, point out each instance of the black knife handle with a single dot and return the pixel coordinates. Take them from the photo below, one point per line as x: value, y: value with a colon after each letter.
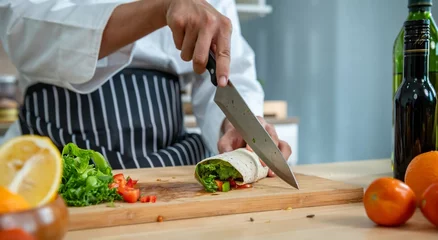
x: 211, y: 67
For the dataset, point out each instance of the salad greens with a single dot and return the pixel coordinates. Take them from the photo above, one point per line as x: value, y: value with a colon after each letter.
x: 213, y: 170
x: 84, y: 183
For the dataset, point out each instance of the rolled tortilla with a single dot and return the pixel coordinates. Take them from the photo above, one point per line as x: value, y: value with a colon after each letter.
x: 246, y: 162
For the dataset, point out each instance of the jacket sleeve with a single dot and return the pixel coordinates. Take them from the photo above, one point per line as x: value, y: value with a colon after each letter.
x: 208, y: 115
x: 58, y: 41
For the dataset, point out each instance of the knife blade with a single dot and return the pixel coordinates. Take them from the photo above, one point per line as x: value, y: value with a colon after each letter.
x: 247, y: 124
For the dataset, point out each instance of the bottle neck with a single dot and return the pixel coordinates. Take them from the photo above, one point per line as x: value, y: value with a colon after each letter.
x: 416, y: 13
x: 416, y: 67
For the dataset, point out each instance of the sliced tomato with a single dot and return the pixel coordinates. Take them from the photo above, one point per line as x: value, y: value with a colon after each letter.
x: 219, y: 184
x: 131, y: 195
x: 120, y: 179
x: 113, y: 185
x: 232, y: 182
x: 145, y: 199
x: 120, y: 188
x: 131, y: 183
x: 247, y: 185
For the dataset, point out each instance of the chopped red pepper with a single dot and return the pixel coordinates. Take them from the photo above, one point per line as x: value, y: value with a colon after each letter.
x: 219, y: 184
x: 153, y: 199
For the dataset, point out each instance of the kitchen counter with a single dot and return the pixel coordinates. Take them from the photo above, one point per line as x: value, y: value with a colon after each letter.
x: 346, y: 221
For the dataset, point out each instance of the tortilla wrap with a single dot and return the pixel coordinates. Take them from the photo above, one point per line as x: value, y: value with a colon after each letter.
x: 246, y: 162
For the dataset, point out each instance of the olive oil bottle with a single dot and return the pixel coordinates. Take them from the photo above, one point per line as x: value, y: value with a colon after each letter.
x: 418, y: 10
x: 415, y: 101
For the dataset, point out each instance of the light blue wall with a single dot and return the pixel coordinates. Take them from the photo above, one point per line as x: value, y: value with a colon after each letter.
x: 332, y: 61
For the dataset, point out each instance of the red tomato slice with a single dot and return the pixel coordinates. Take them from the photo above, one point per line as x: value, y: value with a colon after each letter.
x: 153, y: 199
x: 232, y: 182
x: 145, y: 199
x: 131, y: 195
x: 247, y: 185
x: 120, y: 188
x: 113, y: 185
x: 131, y: 183
x: 120, y: 179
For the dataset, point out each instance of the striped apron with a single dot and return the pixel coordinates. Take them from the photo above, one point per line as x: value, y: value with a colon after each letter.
x: 135, y: 120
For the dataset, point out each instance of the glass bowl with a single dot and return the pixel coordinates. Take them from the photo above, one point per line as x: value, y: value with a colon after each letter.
x: 49, y: 221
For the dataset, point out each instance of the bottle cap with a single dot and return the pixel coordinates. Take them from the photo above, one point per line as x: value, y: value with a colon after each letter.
x: 419, y: 3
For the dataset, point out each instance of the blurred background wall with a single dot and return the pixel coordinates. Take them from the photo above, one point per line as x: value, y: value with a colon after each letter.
x: 332, y: 61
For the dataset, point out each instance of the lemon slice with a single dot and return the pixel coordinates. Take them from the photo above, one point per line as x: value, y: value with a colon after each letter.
x: 31, y: 166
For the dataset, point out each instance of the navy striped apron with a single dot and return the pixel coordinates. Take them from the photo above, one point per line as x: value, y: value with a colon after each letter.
x: 135, y: 120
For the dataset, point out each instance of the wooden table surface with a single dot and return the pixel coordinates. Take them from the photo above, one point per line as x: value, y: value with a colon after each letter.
x: 347, y: 221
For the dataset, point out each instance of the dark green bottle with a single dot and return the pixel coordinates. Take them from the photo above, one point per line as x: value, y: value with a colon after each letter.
x: 418, y: 9
x: 415, y: 101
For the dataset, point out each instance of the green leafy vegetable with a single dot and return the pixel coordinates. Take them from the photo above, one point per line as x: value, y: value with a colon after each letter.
x: 85, y: 184
x: 213, y: 170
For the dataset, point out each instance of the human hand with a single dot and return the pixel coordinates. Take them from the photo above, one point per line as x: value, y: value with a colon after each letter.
x: 197, y: 27
x: 232, y: 140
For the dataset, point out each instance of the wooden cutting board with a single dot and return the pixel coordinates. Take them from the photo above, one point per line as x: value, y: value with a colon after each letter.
x: 180, y: 196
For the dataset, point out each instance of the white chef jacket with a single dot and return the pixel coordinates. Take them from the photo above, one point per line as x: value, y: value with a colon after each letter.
x: 57, y: 42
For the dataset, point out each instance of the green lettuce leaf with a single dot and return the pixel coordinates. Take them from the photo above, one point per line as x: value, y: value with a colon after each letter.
x: 84, y: 183
x: 215, y: 170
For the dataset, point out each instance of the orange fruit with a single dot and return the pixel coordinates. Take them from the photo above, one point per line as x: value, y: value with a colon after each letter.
x: 15, y: 234
x: 389, y: 202
x: 422, y: 172
x: 31, y: 166
x: 429, y: 204
x: 10, y: 202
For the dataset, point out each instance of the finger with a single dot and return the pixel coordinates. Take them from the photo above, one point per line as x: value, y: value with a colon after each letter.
x: 189, y: 42
x: 249, y: 148
x: 262, y: 121
x: 178, y: 37
x: 223, y: 52
x: 271, y: 130
x: 200, y: 55
x: 224, y: 146
x: 213, y: 48
x: 177, y: 25
x: 270, y: 172
x: 230, y: 141
x: 285, y: 149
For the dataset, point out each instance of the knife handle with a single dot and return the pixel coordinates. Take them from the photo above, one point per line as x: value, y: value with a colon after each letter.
x: 211, y: 67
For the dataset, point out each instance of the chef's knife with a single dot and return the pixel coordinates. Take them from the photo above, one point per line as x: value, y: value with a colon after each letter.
x: 238, y: 113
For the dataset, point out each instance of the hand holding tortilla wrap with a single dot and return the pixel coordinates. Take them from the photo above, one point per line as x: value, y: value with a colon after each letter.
x: 240, y: 166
